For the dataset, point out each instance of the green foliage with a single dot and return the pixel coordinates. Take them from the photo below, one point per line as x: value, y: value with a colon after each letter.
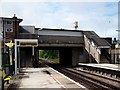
x: 49, y: 54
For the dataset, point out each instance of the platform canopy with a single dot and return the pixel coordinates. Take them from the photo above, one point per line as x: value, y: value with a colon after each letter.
x: 27, y: 42
x: 23, y: 43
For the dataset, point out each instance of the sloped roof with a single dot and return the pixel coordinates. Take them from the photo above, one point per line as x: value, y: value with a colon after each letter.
x: 97, y: 40
x: 14, y: 18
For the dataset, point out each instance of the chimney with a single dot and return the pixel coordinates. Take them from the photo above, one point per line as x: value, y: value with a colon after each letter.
x: 14, y: 16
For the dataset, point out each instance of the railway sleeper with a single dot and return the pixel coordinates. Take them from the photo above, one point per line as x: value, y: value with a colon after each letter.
x: 106, y: 75
x: 93, y: 84
x: 112, y: 83
x: 101, y: 73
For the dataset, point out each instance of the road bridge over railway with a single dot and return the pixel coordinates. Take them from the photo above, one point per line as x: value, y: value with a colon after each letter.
x: 75, y: 46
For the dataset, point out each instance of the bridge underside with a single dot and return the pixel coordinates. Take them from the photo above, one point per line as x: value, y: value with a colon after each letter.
x: 67, y: 55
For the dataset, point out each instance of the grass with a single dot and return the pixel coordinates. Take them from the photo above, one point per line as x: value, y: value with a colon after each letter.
x: 54, y: 60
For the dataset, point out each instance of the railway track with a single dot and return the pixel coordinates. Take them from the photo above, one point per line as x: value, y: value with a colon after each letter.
x: 91, y: 78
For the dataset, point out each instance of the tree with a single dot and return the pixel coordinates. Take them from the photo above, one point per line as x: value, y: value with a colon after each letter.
x: 49, y: 54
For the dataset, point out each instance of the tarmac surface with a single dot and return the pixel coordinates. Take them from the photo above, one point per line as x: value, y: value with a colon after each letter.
x: 43, y: 78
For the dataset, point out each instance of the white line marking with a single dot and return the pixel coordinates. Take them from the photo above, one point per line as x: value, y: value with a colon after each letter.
x: 70, y: 79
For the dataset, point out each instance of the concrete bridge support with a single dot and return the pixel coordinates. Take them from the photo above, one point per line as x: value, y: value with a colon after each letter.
x: 65, y: 55
x: 36, y: 56
x: 25, y: 56
x: 28, y: 56
x: 77, y: 56
x: 71, y: 56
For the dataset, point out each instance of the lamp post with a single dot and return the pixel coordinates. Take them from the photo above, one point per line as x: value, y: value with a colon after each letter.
x: 118, y: 36
x: 117, y: 46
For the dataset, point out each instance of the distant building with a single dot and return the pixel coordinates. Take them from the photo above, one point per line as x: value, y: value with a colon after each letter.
x: 115, y: 51
x: 9, y: 27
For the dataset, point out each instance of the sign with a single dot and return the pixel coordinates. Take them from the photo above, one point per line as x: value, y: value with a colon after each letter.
x: 10, y: 44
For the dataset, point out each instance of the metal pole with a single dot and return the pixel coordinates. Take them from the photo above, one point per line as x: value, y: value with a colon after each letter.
x: 19, y: 57
x: 33, y: 51
x: 115, y: 56
x: 4, y: 36
x: 0, y: 65
x: 1, y: 36
x: 15, y: 57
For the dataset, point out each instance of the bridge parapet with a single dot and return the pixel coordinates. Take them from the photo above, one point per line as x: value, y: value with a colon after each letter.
x: 26, y: 36
x: 47, y: 39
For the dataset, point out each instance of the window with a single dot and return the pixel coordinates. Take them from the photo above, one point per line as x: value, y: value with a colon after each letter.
x: 9, y: 22
x: 9, y: 26
x: 9, y: 30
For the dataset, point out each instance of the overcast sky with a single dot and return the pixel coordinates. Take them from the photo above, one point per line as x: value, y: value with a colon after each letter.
x: 101, y: 17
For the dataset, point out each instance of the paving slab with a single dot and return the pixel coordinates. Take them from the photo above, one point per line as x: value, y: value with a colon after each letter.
x: 107, y: 66
x: 43, y: 78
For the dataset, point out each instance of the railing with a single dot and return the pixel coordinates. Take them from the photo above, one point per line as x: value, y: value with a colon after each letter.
x: 26, y: 36
x: 59, y: 42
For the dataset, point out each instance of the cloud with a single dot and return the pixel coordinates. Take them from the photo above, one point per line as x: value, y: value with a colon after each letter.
x: 60, y: 0
x: 102, y: 17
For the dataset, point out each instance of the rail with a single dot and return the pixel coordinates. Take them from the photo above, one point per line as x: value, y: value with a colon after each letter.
x: 91, y: 80
x: 106, y: 72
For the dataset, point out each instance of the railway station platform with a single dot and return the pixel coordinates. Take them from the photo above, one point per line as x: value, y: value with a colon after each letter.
x: 44, y: 78
x: 115, y: 67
